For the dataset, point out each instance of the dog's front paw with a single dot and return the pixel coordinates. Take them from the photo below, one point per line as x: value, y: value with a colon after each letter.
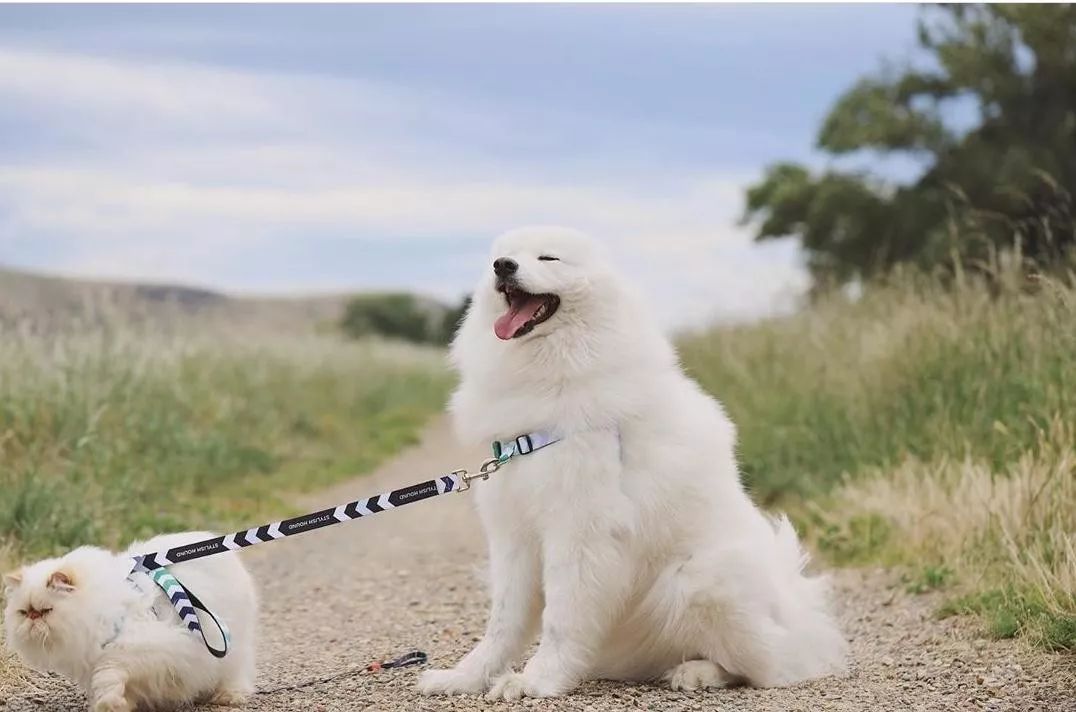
x: 514, y: 686
x: 111, y: 703
x: 451, y: 682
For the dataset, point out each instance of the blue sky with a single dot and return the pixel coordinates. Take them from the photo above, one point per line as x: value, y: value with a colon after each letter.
x: 309, y: 149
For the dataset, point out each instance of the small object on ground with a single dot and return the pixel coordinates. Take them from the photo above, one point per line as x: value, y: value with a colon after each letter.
x: 416, y: 657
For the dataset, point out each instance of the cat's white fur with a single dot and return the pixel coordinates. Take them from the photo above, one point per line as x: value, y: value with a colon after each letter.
x: 630, y: 545
x: 125, y: 645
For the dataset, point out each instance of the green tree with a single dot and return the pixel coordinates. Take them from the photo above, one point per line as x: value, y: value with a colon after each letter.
x: 1008, y: 178
x: 453, y: 318
x: 395, y: 316
x: 400, y: 315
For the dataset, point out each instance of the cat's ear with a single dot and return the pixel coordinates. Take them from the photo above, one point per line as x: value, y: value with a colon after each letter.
x: 61, y: 581
x: 12, y: 580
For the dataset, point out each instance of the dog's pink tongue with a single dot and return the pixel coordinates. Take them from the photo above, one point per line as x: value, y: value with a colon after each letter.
x: 518, y: 314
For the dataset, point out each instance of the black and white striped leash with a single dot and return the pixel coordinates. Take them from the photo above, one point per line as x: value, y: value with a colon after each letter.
x: 188, y: 605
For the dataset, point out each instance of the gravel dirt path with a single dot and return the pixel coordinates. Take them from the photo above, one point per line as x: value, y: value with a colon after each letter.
x: 412, y: 580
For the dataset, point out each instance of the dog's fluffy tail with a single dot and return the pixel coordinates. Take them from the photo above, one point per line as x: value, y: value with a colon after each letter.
x: 816, y: 644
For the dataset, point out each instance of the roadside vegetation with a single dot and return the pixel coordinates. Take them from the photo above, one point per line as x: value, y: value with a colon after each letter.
x: 930, y: 423
x: 108, y: 434
x: 927, y: 424
x: 403, y: 316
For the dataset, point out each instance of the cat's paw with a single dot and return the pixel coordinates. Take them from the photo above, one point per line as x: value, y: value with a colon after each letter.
x: 111, y: 703
x: 451, y: 682
x: 514, y: 686
x: 229, y: 698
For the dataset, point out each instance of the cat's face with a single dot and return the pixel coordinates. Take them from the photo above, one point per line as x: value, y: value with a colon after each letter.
x: 41, y: 605
x: 59, y: 611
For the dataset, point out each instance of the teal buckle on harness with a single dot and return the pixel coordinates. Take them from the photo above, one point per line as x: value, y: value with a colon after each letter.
x: 525, y: 444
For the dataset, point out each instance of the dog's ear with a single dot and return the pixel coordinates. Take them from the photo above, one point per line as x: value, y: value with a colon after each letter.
x: 12, y: 579
x: 61, y: 580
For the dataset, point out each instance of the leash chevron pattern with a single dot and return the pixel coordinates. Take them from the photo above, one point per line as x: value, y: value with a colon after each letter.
x: 297, y: 525
x: 178, y: 596
x: 187, y: 604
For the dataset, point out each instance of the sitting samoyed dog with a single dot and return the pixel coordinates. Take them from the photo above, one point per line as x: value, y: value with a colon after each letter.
x: 629, y: 544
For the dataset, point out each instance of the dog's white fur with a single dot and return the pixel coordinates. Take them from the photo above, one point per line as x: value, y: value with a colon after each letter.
x: 630, y: 544
x: 101, y: 632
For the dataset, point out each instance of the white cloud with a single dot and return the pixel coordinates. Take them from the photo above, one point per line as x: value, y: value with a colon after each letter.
x: 184, y: 167
x: 104, y: 202
x: 130, y: 93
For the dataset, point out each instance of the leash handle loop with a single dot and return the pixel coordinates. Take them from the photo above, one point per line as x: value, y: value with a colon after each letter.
x: 187, y: 606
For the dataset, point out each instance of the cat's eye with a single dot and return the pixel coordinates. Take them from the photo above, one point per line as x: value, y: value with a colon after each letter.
x: 41, y: 613
x: 548, y: 258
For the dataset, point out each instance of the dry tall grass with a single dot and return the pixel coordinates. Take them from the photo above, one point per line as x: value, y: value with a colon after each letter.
x: 115, y: 432
x: 116, y: 425
x: 923, y: 424
x: 1007, y: 537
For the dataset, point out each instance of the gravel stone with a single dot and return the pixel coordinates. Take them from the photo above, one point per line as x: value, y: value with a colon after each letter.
x: 411, y: 579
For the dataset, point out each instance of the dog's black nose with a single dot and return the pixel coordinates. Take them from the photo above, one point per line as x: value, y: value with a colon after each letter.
x: 505, y: 266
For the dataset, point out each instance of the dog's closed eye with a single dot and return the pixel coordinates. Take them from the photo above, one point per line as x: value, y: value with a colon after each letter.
x: 548, y: 258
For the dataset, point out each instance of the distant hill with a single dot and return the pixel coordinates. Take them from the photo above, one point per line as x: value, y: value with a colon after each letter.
x: 49, y: 300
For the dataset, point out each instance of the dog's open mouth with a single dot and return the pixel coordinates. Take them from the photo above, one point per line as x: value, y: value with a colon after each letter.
x: 525, y: 311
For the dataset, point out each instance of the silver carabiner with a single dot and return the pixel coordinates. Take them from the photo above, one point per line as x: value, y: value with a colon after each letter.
x: 488, y: 468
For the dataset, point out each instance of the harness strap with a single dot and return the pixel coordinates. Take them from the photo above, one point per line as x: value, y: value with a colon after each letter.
x: 525, y: 444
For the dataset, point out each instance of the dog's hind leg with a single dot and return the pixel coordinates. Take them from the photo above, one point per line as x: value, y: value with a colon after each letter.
x: 698, y: 675
x: 761, y: 625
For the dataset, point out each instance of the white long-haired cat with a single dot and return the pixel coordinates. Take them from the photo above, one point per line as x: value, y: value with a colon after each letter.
x: 122, y: 641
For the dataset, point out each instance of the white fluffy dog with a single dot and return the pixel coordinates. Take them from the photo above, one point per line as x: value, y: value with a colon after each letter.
x: 630, y: 544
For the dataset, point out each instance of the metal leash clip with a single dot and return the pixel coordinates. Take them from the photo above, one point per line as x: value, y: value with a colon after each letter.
x: 488, y: 468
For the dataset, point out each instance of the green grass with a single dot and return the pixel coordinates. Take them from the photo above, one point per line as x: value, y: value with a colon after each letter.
x: 909, y: 370
x: 931, y: 577
x: 925, y: 427
x: 1011, y: 612
x: 114, y: 435
x: 858, y: 539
